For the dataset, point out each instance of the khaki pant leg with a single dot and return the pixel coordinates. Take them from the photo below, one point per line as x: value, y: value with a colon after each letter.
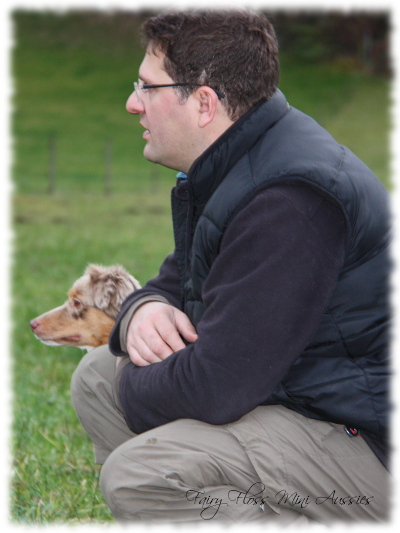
x: 96, y: 402
x: 314, y: 466
x: 309, y: 468
x: 186, y: 471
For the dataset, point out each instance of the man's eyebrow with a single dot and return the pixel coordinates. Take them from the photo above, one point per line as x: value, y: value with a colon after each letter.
x: 143, y: 79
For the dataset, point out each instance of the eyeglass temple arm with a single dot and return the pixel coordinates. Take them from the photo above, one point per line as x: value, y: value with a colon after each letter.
x: 151, y: 86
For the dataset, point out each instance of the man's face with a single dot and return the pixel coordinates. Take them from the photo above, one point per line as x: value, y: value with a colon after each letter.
x: 169, y: 123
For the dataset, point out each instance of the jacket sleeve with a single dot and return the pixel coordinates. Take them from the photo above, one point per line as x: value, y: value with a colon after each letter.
x: 165, y: 287
x: 264, y: 296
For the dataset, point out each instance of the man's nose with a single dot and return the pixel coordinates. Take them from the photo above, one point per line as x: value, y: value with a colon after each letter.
x: 133, y: 105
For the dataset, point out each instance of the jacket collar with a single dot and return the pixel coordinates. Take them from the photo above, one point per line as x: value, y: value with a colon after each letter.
x: 212, y: 166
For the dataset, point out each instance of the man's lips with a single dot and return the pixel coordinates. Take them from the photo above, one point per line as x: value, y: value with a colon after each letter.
x: 147, y: 131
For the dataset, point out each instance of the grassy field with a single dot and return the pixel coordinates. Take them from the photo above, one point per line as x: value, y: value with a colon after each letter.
x: 54, y: 478
x: 72, y: 77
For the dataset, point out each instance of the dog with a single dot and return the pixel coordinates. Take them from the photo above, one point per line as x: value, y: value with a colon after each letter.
x: 86, y: 319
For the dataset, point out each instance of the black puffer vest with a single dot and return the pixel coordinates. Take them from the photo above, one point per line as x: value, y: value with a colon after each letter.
x: 342, y: 375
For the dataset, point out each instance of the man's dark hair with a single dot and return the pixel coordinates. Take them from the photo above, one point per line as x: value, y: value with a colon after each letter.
x: 235, y: 52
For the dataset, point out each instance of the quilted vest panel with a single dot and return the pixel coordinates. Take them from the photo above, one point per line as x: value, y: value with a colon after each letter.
x: 342, y: 374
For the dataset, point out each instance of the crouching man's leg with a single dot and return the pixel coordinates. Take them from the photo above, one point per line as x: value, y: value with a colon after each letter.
x: 183, y: 471
x: 271, y: 465
x: 96, y: 403
x: 186, y: 471
x: 314, y: 466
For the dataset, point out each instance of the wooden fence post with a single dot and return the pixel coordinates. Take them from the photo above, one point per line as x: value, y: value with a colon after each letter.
x: 154, y: 178
x: 51, y: 185
x: 108, y: 167
x: 367, y: 45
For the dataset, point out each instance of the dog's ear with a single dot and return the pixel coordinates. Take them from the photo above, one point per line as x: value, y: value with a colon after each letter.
x: 110, y: 286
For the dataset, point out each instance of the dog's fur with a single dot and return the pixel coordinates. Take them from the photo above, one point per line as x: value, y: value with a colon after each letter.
x: 88, y: 316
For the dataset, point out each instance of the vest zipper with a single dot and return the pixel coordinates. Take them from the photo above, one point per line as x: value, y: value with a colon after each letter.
x: 188, y: 240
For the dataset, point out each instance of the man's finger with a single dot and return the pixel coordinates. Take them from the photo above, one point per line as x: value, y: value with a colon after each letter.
x: 185, y: 327
x: 141, y: 354
x: 157, y: 344
x: 170, y: 335
x: 135, y: 357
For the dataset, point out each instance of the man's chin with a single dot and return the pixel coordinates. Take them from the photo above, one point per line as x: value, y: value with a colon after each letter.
x: 158, y: 159
x: 150, y: 155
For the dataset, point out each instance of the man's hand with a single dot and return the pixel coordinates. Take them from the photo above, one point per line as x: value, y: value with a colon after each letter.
x: 155, y: 332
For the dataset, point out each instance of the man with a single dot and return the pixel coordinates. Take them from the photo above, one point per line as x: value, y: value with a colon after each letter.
x: 248, y: 380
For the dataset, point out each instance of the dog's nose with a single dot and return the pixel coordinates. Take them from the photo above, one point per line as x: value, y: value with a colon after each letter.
x: 34, y: 324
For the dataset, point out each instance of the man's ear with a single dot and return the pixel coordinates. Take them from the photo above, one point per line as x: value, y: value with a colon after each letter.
x: 207, y: 105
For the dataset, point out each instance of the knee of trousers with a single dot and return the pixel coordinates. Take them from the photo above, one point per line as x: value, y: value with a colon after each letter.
x: 153, y: 466
x: 131, y: 483
x: 82, y: 381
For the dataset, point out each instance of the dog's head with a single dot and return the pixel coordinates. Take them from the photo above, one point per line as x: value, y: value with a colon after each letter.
x: 104, y: 288
x: 86, y: 319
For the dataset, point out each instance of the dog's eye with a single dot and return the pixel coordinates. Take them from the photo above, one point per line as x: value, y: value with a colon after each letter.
x: 76, y: 302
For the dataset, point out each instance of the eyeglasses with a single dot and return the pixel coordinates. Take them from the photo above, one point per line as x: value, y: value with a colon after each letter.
x: 146, y: 86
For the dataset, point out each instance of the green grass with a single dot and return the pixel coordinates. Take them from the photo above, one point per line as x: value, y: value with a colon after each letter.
x: 72, y: 75
x: 54, y: 478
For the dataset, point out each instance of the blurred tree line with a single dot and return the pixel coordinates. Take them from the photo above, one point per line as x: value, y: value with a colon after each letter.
x: 77, y: 66
x: 353, y: 40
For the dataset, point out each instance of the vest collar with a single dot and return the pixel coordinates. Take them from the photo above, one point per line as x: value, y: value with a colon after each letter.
x: 211, y: 167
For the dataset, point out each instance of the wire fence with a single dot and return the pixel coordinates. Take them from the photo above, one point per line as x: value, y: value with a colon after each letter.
x: 73, y: 73
x: 107, y: 181
x: 56, y: 163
